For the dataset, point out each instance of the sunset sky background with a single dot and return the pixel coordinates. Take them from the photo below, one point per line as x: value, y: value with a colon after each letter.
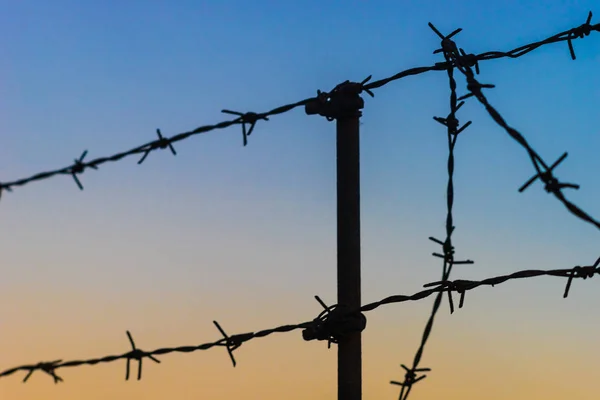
x: 247, y: 235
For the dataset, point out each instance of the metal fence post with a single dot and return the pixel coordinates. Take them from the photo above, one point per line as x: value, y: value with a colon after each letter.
x: 348, y: 257
x: 343, y: 104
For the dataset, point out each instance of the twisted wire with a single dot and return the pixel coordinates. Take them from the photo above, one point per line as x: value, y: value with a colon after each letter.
x: 231, y: 343
x: 251, y: 118
x: 452, y: 127
x: 461, y: 61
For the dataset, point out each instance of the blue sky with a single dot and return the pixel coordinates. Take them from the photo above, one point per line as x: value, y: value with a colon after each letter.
x: 260, y: 220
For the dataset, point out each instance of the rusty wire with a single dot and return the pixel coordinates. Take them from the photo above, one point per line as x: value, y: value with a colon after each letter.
x: 233, y: 342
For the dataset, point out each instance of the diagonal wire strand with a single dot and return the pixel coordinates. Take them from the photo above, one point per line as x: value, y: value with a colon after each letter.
x: 543, y: 171
x: 251, y: 118
x: 453, y: 130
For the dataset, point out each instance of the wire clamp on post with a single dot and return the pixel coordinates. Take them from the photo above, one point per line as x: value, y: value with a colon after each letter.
x: 342, y: 101
x: 334, y: 323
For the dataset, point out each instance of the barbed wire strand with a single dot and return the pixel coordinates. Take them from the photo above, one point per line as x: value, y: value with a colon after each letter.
x: 543, y: 171
x: 233, y: 342
x: 452, y: 126
x: 251, y: 118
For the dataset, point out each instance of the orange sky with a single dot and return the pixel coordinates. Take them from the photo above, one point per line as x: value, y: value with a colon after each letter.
x: 471, y: 353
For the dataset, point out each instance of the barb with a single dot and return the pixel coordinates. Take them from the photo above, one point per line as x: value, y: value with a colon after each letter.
x: 247, y: 118
x: 434, y: 287
x: 161, y: 143
x: 47, y: 367
x: 410, y: 377
x: 78, y: 168
x: 138, y: 355
x: 251, y: 118
x: 233, y: 342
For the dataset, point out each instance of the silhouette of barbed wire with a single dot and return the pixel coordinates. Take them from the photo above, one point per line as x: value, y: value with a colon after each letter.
x: 462, y: 61
x: 316, y: 325
x: 334, y: 321
x: 251, y: 118
x: 452, y: 131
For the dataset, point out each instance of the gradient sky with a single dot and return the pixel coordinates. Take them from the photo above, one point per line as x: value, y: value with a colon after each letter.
x: 246, y: 236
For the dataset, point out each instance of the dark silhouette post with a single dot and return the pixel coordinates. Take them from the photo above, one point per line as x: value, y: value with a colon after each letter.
x: 343, y: 104
x: 348, y: 257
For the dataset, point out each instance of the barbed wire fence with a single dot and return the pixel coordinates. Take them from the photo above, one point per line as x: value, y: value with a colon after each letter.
x: 333, y: 322
x: 323, y: 327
